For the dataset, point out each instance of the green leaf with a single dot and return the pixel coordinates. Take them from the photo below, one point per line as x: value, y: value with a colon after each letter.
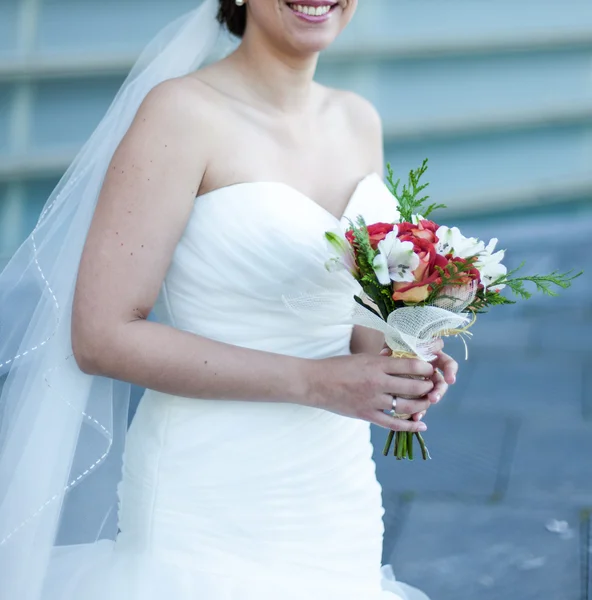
x: 362, y: 303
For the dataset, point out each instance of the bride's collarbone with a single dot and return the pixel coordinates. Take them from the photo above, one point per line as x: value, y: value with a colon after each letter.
x: 324, y: 176
x: 323, y: 167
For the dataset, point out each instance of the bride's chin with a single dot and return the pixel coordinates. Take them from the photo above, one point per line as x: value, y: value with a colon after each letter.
x: 310, y: 37
x: 310, y: 42
x: 309, y: 46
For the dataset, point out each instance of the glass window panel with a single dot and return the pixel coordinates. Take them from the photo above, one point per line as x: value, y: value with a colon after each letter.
x: 467, y: 87
x: 66, y: 112
x: 19, y: 211
x: 457, y: 20
x: 502, y: 161
x: 6, y: 98
x: 3, y: 255
x: 9, y: 10
x: 105, y: 26
x: 36, y: 194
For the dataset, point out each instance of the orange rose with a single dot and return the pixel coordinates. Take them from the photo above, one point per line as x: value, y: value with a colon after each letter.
x: 464, y: 277
x: 425, y: 275
x: 460, y: 288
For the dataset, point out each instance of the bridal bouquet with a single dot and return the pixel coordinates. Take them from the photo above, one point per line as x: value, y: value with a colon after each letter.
x: 422, y: 281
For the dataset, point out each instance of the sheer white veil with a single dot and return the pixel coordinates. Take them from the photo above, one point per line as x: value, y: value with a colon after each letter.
x: 62, y: 432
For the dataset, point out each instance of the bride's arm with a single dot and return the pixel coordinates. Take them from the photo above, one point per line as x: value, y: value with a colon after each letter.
x: 142, y: 211
x: 366, y: 341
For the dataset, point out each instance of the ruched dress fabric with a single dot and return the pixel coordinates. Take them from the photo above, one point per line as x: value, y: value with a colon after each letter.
x: 235, y: 500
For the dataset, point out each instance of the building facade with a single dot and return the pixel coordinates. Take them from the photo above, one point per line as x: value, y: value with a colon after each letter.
x: 497, y: 95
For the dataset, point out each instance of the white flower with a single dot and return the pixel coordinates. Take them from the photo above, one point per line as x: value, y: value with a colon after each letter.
x: 395, y: 260
x: 344, y: 259
x: 489, y: 265
x: 452, y: 241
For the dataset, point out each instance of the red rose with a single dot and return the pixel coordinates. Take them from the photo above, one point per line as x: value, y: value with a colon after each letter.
x: 377, y: 232
x: 424, y: 230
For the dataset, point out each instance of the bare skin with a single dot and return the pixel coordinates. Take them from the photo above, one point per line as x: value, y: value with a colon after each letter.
x: 255, y: 116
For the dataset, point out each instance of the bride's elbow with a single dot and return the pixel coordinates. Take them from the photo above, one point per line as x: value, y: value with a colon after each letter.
x: 87, y: 348
x: 86, y: 358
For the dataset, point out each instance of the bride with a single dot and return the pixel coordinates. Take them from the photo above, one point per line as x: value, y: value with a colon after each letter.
x: 203, y: 198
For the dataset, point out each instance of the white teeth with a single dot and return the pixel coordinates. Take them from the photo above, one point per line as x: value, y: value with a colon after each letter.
x: 315, y: 11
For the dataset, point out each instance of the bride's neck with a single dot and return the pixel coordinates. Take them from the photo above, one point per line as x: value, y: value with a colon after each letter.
x: 275, y: 77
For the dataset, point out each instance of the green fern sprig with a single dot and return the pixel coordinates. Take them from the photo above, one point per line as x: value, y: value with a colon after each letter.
x: 409, y: 203
x: 451, y: 275
x: 543, y: 283
x: 364, y: 251
x: 484, y: 299
x: 491, y: 297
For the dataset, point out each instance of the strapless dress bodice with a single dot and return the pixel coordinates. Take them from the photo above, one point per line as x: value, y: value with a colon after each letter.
x: 249, y: 246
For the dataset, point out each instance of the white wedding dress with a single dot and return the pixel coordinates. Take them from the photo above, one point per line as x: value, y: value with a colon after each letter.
x: 238, y: 500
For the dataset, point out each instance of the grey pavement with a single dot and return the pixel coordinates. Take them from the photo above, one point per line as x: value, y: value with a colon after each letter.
x: 503, y: 509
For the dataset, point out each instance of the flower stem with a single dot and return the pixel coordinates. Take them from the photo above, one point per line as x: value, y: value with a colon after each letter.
x: 405, y: 449
x: 424, y: 449
x: 410, y: 445
x: 389, y: 441
x: 401, y: 450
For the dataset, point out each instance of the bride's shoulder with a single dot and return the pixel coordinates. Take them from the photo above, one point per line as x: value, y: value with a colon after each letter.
x: 360, y: 118
x: 360, y: 115
x: 356, y: 106
x: 180, y: 98
x: 180, y: 110
x: 175, y: 122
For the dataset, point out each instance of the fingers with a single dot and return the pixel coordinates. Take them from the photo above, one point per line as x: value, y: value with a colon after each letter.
x: 440, y: 388
x: 406, y: 406
x: 419, y: 416
x: 408, y: 366
x: 447, y: 365
x: 408, y: 388
x: 394, y: 424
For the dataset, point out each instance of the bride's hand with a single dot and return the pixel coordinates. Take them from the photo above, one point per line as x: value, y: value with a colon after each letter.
x: 445, y: 370
x: 363, y: 386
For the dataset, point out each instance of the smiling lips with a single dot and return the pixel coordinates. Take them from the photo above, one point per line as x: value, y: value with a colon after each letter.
x: 313, y: 11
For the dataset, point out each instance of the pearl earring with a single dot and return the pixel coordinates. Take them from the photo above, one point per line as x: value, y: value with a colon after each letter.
x: 240, y: 2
